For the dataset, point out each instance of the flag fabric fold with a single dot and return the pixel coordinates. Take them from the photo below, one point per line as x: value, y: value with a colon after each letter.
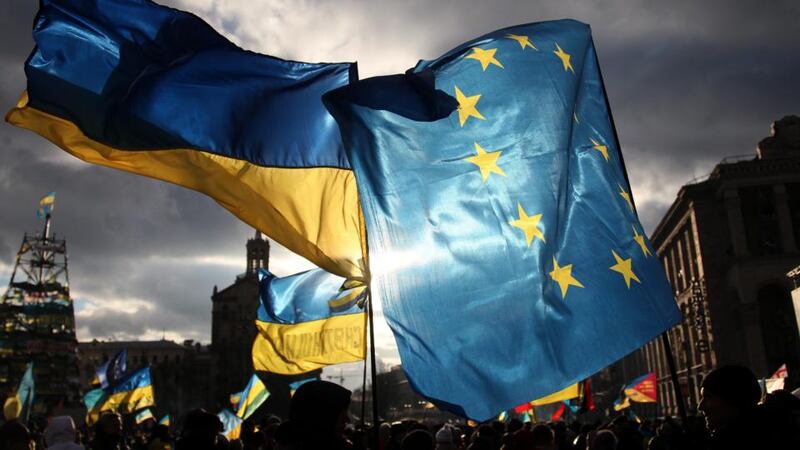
x: 503, y: 242
x: 253, y: 396
x: 144, y: 415
x: 642, y: 389
x: 20, y: 402
x: 130, y: 394
x: 307, y: 321
x: 112, y: 370
x: 151, y: 90
x: 46, y: 205
x: 231, y: 424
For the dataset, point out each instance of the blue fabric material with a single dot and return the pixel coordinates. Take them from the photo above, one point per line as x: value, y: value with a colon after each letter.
x: 112, y: 370
x: 480, y: 323
x: 136, y: 75
x: 138, y: 379
x: 302, y: 297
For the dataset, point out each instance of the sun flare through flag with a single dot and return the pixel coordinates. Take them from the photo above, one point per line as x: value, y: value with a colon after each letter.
x: 526, y: 277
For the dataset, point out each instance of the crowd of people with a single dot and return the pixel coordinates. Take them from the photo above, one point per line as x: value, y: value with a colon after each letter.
x: 734, y: 415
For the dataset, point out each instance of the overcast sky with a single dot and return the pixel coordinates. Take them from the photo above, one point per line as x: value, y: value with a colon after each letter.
x: 689, y: 82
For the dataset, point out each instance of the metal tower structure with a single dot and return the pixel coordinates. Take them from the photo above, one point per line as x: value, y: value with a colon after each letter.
x: 37, y: 323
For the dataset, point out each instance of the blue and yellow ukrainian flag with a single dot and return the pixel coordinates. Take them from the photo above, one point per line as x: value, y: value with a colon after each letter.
x: 621, y: 403
x: 144, y: 415
x: 18, y: 405
x: 307, y: 321
x: 46, y: 205
x: 502, y: 236
x: 132, y: 393
x: 93, y: 400
x: 164, y: 420
x: 151, y: 90
x: 231, y: 424
x: 253, y: 396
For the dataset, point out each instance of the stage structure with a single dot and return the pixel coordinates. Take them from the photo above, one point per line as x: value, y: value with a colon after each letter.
x: 37, y: 323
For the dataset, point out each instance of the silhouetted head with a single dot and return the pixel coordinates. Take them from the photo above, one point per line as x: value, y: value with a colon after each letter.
x: 15, y: 436
x: 542, y: 436
x: 109, y: 425
x: 160, y: 432
x: 320, y: 407
x: 603, y: 440
x: 417, y: 440
x: 201, y: 429
x: 727, y: 393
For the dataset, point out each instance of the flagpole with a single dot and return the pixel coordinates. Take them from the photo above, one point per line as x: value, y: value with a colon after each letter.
x: 373, y: 368
x: 364, y: 387
x: 674, y: 375
x: 664, y: 336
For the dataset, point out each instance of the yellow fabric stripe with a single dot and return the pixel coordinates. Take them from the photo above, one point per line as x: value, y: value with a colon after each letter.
x: 129, y: 401
x: 12, y: 407
x: 639, y: 397
x: 565, y: 394
x: 234, y: 433
x: 303, y: 347
x: 313, y: 212
x: 257, y: 389
x: 347, y: 298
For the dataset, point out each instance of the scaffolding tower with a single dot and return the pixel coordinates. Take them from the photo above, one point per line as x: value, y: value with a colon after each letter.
x: 37, y: 323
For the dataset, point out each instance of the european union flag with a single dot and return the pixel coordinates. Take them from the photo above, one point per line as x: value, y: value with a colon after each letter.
x: 503, y: 241
x: 108, y: 373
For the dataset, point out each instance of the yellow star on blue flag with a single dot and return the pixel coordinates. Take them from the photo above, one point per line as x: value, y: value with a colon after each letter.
x: 504, y: 270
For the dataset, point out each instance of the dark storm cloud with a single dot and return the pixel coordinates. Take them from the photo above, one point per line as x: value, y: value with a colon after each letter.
x: 689, y: 83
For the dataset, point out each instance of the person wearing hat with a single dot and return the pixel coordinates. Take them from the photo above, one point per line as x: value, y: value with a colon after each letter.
x: 60, y: 434
x: 445, y: 438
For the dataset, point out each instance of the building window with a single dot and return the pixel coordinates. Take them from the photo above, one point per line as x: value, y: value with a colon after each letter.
x: 760, y: 220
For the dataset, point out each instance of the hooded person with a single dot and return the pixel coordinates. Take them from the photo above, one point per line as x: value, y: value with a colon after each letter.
x: 318, y: 416
x: 60, y: 434
x: 445, y: 438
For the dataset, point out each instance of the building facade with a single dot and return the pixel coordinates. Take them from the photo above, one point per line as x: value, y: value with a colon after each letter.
x: 233, y: 326
x: 182, y: 375
x: 727, y: 243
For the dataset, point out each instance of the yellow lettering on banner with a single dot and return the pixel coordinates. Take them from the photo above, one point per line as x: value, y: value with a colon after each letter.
x: 298, y: 348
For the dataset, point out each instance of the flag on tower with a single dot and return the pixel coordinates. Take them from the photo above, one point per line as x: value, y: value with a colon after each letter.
x: 501, y: 236
x: 46, y: 205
